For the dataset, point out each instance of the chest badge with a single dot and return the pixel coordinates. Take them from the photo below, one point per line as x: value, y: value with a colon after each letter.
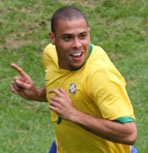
x: 72, y: 88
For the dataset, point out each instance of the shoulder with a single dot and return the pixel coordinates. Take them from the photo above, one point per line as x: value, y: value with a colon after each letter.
x: 98, y: 60
x: 50, y: 51
x: 97, y: 57
x: 49, y: 55
x: 100, y: 53
x: 100, y: 67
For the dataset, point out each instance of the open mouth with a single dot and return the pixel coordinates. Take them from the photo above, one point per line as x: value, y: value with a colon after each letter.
x: 76, y: 54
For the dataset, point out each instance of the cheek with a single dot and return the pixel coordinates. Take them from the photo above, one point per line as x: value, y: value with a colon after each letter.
x: 86, y: 44
x: 66, y: 47
x: 86, y: 41
x: 63, y: 49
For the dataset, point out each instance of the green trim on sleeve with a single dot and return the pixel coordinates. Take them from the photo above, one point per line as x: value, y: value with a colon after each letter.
x: 124, y: 119
x: 59, y: 120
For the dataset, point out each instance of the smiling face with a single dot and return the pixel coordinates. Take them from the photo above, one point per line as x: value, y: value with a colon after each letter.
x: 72, y: 38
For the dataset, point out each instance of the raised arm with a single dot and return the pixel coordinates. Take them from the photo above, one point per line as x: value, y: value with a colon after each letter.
x: 24, y: 86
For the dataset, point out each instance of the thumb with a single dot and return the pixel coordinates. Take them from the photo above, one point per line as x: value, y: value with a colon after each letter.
x: 23, y: 84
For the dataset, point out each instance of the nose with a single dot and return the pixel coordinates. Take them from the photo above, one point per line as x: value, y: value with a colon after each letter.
x: 76, y: 43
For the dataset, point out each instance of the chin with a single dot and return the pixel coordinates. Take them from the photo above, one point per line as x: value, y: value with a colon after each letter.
x: 76, y: 66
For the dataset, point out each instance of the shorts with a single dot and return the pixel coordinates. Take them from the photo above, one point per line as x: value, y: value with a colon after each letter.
x: 53, y: 148
x: 134, y: 150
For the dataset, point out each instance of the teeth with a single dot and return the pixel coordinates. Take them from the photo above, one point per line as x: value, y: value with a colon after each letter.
x: 76, y: 54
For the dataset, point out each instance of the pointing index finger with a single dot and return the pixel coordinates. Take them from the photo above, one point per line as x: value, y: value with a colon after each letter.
x: 19, y: 70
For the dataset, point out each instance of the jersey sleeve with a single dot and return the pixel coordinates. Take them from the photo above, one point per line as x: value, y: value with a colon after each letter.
x: 49, y: 56
x: 108, y: 91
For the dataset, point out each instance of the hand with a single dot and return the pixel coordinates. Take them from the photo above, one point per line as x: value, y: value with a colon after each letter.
x: 23, y: 84
x: 62, y: 104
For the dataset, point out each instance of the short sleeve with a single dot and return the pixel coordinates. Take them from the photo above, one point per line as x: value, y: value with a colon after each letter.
x: 107, y: 88
x: 49, y: 56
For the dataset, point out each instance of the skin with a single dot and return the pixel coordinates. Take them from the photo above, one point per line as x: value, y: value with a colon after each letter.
x: 73, y: 37
x: 24, y: 86
x: 121, y: 133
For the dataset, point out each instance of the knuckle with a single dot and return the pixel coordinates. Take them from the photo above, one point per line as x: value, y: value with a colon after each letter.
x: 16, y: 78
x: 29, y: 86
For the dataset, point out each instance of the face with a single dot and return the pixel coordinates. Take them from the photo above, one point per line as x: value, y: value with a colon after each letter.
x: 72, y: 40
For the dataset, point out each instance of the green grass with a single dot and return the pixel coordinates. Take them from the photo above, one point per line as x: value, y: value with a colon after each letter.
x: 120, y: 27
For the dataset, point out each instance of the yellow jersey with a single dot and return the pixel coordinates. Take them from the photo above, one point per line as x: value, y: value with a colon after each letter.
x: 98, y: 89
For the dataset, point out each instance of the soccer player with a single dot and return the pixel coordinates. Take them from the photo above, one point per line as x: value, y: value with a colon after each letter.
x: 90, y: 108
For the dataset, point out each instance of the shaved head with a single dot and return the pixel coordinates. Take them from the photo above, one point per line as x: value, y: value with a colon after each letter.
x: 66, y: 13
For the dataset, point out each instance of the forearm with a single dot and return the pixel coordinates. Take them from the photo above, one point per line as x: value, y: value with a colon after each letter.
x: 121, y: 133
x: 41, y: 95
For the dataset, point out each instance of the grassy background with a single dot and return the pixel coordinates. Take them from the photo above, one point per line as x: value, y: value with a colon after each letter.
x: 120, y: 27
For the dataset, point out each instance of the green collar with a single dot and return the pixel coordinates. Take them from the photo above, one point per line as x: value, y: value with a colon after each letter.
x: 90, y: 50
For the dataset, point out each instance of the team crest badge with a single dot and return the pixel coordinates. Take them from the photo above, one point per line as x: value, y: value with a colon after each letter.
x: 72, y: 88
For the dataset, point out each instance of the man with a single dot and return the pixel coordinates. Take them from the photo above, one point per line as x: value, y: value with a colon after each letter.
x: 90, y: 108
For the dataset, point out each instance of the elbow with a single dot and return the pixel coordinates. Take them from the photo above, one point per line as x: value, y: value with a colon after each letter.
x: 132, y: 139
x: 132, y: 134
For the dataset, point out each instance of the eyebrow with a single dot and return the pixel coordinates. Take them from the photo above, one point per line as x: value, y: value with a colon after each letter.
x: 70, y: 34
x: 67, y: 35
x: 84, y: 32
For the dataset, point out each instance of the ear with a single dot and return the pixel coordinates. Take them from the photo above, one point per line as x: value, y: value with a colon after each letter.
x: 52, y: 37
x: 89, y: 29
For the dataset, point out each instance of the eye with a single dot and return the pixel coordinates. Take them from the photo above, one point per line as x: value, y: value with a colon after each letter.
x: 83, y: 36
x: 67, y: 37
